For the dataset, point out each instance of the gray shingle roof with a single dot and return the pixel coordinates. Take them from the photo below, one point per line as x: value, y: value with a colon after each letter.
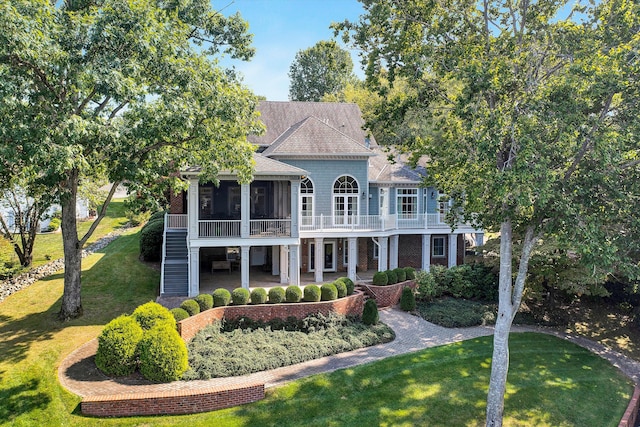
x: 382, y: 170
x: 263, y: 166
x: 313, y: 137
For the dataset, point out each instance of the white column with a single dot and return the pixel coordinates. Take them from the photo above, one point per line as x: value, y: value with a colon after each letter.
x: 383, y: 254
x: 353, y: 258
x: 245, y: 205
x: 194, y: 271
x: 479, y: 239
x: 244, y: 266
x: 193, y: 208
x: 294, y: 265
x: 393, y: 252
x: 453, y: 249
x: 426, y: 252
x: 275, y: 260
x: 295, y: 201
x: 319, y: 259
x: 284, y: 264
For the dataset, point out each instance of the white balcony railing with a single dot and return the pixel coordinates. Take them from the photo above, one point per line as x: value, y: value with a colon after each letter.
x: 176, y: 221
x: 219, y: 228
x: 270, y: 228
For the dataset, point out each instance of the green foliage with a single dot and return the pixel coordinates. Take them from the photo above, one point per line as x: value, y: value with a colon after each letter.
x: 258, y: 296
x: 221, y: 297
x: 54, y: 224
x: 163, y: 355
x: 8, y: 264
x: 428, y: 287
x: 190, y: 306
x: 408, y: 299
x: 328, y: 292
x: 392, y: 277
x: 151, y: 238
x: 240, y: 296
x: 117, y: 346
x: 370, y: 314
x: 276, y: 295
x: 246, y: 346
x: 349, y: 283
x: 293, y: 293
x: 457, y: 313
x: 205, y: 301
x: 380, y: 278
x: 341, y: 287
x: 400, y: 274
x: 157, y: 215
x: 470, y: 281
x: 152, y: 314
x: 410, y: 273
x: 311, y: 293
x: 325, y: 68
x: 137, y: 218
x: 179, y: 313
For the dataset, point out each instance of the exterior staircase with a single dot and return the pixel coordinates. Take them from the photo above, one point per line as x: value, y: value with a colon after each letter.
x: 175, y: 265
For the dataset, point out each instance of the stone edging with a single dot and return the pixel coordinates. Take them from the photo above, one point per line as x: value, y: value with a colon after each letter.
x: 21, y: 281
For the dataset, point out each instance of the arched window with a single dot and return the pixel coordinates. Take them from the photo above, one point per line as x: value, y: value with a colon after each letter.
x: 306, y: 202
x: 345, y: 200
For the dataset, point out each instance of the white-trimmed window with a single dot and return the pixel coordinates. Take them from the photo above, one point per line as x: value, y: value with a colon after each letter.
x: 376, y: 251
x: 438, y: 246
x: 407, y: 205
x: 306, y: 202
x: 345, y: 252
x: 345, y: 200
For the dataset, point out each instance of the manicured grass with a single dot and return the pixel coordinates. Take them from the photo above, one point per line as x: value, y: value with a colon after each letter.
x: 551, y: 382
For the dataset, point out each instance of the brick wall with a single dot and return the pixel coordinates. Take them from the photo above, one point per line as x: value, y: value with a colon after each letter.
x: 388, y: 296
x: 363, y: 259
x: 350, y: 305
x: 176, y: 203
x: 172, y: 402
x: 410, y: 251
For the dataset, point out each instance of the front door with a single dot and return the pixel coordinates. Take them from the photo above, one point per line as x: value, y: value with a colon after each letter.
x: 329, y: 263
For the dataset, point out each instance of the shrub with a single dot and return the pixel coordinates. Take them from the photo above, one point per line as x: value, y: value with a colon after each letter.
x: 328, y: 292
x: 190, y: 306
x: 54, y: 224
x: 410, y: 272
x: 428, y: 289
x: 350, y: 285
x: 457, y: 313
x: 276, y: 295
x: 221, y: 297
x: 392, y: 276
x: 258, y: 296
x: 163, y: 355
x: 117, y: 346
x: 240, y: 296
x: 408, y: 299
x: 293, y: 293
x: 151, y: 241
x: 179, y: 313
x: 370, y: 314
x: 157, y: 215
x: 205, y: 301
x: 311, y: 293
x: 153, y: 314
x: 400, y: 274
x: 341, y: 287
x: 380, y: 278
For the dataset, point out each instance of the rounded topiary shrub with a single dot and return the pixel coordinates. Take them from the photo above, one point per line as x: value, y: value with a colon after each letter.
x: 205, y: 301
x: 179, y: 313
x: 370, y: 314
x: 221, y: 297
x: 163, y: 355
x: 328, y: 292
x: 157, y: 215
x: 380, y: 278
x: 117, y: 346
x: 392, y: 277
x: 191, y: 307
x: 258, y: 296
x: 240, y: 296
x: 151, y: 238
x: 407, y: 299
x: 400, y: 274
x: 293, y: 293
x: 311, y: 293
x: 153, y: 314
x: 410, y: 272
x: 276, y: 295
x: 350, y: 285
x: 341, y: 287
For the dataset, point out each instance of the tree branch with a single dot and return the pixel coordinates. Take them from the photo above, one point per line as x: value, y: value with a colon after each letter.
x: 102, y: 214
x: 117, y: 109
x: 530, y: 240
x: 42, y: 77
x: 84, y: 102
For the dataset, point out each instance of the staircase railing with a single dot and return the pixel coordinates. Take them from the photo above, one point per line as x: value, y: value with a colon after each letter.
x: 164, y: 253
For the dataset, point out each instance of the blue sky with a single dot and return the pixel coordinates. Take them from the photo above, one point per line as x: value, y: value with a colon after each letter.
x: 281, y: 28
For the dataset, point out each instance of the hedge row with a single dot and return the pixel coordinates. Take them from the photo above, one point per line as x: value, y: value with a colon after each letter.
x: 391, y: 277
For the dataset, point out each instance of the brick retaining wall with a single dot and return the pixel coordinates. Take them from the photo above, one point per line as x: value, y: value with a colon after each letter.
x: 389, y: 295
x: 172, y: 402
x: 350, y: 305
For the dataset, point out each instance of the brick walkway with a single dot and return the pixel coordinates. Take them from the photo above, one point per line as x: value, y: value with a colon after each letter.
x: 78, y: 373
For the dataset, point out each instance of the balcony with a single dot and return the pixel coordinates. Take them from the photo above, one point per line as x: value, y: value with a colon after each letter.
x: 374, y: 223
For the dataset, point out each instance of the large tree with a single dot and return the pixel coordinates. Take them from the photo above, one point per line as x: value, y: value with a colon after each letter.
x: 324, y: 68
x: 126, y: 89
x: 527, y: 112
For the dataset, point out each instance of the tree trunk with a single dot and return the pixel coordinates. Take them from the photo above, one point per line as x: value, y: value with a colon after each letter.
x: 71, y: 299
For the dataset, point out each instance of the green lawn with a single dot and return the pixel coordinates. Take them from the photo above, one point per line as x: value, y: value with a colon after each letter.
x: 552, y: 382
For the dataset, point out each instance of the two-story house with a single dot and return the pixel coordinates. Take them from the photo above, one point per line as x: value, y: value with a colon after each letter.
x: 324, y: 198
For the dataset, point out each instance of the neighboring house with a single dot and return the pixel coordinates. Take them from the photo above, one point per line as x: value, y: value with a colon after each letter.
x: 82, y: 212
x: 324, y: 198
